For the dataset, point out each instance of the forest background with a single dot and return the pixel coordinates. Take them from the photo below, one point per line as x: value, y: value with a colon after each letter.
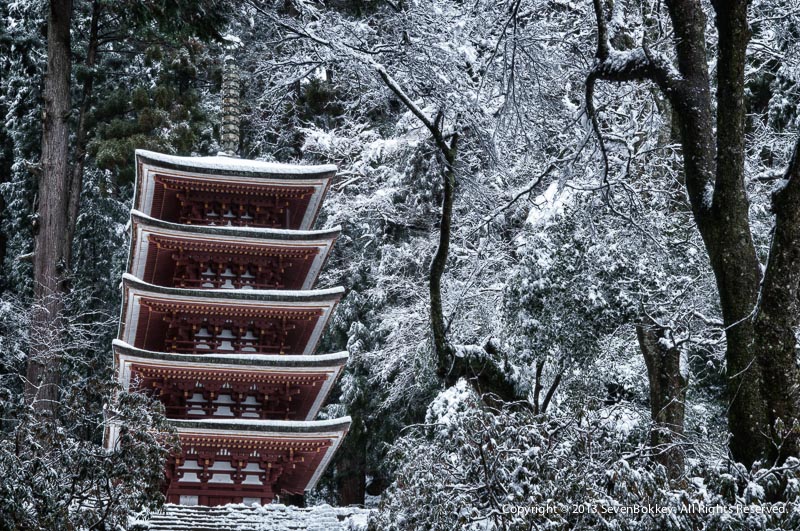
x: 571, y: 248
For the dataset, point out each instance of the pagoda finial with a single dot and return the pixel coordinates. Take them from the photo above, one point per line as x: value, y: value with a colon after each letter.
x: 229, y: 141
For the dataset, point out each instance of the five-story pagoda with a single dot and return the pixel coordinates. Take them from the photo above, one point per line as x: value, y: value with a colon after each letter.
x: 219, y: 323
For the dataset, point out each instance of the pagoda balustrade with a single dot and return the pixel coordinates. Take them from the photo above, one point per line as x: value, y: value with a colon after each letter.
x: 208, y: 264
x: 220, y: 335
x: 190, y: 328
x: 216, y: 270
x: 236, y: 212
x: 196, y: 394
x: 205, y: 270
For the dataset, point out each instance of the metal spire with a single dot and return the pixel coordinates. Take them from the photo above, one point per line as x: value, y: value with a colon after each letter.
x: 229, y: 139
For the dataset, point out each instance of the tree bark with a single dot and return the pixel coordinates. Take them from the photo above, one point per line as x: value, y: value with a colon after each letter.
x: 82, y: 134
x: 441, y: 346
x: 667, y: 396
x: 6, y: 162
x: 537, y: 386
x: 351, y: 467
x: 729, y: 239
x: 50, y: 245
x: 778, y: 318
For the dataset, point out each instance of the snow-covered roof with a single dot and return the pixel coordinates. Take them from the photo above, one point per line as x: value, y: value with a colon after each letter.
x: 333, y: 430
x: 227, y: 173
x: 135, y: 291
x: 263, y: 427
x: 246, y: 232
x: 126, y: 355
x: 262, y: 295
x: 260, y: 360
x: 223, y: 165
x: 317, y: 242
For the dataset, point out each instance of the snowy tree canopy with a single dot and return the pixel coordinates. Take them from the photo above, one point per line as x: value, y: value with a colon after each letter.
x: 571, y: 249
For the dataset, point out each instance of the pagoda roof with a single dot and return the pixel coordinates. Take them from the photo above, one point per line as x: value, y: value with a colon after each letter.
x: 264, y: 428
x: 328, y: 295
x: 302, y: 186
x: 233, y: 166
x: 334, y: 430
x: 304, y: 251
x: 314, y: 361
x: 224, y: 231
x: 285, y: 303
x: 331, y: 365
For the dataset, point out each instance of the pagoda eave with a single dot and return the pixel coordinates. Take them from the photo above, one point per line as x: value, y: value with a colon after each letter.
x: 264, y: 233
x: 223, y: 166
x: 170, y: 319
x: 327, y: 295
x: 197, y: 256
x: 306, y: 382
x: 167, y: 185
x: 333, y: 359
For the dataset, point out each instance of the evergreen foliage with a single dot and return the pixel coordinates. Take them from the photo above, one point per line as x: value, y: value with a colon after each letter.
x: 562, y: 248
x: 473, y: 465
x: 144, y: 89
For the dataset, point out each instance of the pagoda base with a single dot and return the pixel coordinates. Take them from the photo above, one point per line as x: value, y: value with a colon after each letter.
x: 247, y: 461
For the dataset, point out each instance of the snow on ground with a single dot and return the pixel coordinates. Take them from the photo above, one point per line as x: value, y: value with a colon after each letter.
x: 273, y: 517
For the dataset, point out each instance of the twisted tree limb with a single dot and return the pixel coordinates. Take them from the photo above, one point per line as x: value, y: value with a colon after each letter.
x: 479, y: 364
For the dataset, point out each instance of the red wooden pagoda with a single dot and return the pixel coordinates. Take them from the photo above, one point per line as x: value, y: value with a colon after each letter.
x: 220, y: 324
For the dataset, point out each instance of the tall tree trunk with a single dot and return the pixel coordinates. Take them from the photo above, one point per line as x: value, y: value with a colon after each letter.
x: 714, y: 169
x: 667, y: 396
x: 778, y: 318
x: 441, y: 346
x: 729, y: 239
x: 6, y: 161
x: 82, y: 134
x: 351, y: 467
x: 713, y: 164
x: 50, y: 245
